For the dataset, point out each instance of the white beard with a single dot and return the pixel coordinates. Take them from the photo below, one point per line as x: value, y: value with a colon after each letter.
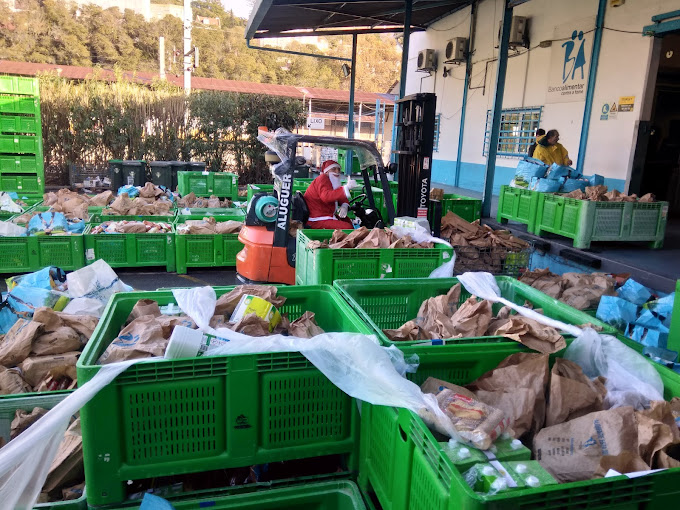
x: 335, y: 181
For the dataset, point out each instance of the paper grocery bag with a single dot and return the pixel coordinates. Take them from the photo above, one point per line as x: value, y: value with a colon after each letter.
x: 572, y: 393
x: 142, y: 338
x: 63, y: 339
x: 305, y: 326
x: 24, y: 419
x: 36, y: 368
x: 572, y: 451
x: 67, y: 466
x: 226, y: 304
x: 12, y: 382
x: 144, y: 307
x: 16, y: 345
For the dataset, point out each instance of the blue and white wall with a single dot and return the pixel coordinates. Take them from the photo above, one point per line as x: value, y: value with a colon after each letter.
x: 623, y: 71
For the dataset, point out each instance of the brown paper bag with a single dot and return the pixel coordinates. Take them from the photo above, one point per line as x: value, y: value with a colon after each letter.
x: 16, y: 345
x: 102, y: 199
x: 214, y: 202
x: 572, y: 394
x: 228, y: 227
x: 12, y: 382
x: 142, y: 338
x: 144, y: 307
x: 517, y: 386
x: 624, y: 462
x: 67, y: 466
x: 23, y: 419
x: 315, y: 245
x: 534, y: 335
x: 471, y: 319
x: 149, y: 191
x: 437, y: 194
x: 35, y: 368
x: 305, y: 326
x: 251, y: 325
x: 84, y: 325
x: 408, y: 332
x: 434, y: 386
x: 377, y: 238
x: 657, y: 430
x: 168, y: 323
x: 572, y: 451
x: 120, y: 206
x: 226, y: 304
x: 63, y: 339
x: 649, y: 197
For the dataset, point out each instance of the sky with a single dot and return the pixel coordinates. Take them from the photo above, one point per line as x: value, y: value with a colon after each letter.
x: 241, y: 8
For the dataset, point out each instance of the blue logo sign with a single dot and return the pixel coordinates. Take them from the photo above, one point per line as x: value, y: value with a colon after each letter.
x: 573, y: 64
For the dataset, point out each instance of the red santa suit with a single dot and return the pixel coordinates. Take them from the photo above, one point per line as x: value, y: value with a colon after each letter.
x: 322, y: 201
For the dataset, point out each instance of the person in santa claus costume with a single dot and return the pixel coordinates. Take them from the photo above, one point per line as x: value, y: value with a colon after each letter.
x: 327, y: 199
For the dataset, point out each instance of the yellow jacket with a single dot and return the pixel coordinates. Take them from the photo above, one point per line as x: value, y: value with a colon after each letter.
x: 551, y: 154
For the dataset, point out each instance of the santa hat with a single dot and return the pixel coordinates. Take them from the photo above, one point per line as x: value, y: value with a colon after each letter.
x: 329, y: 165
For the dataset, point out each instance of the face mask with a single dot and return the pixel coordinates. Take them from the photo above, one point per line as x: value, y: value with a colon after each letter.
x: 335, y: 180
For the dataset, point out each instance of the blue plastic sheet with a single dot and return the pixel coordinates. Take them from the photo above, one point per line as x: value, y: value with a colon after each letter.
x: 132, y: 191
x: 662, y: 307
x: 76, y: 227
x: 546, y: 185
x: 648, y: 319
x: 558, y: 171
x: 616, y: 312
x: 634, y: 292
x: 661, y: 355
x: 573, y: 184
x: 152, y: 502
x: 47, y: 222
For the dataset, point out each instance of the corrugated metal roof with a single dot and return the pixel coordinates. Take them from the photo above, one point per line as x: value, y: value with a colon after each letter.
x: 245, y: 87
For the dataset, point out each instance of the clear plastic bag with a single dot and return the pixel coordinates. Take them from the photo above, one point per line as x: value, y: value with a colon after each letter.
x: 420, y: 235
x: 631, y: 379
x: 96, y: 281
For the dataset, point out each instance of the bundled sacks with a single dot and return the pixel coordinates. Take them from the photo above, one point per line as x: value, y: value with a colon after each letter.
x: 527, y: 170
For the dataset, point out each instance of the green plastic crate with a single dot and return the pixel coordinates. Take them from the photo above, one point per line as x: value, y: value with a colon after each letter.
x: 326, y: 495
x: 30, y: 201
x: 519, y: 205
x: 674, y: 334
x: 19, y: 104
x: 163, y: 218
x: 27, y: 402
x: 324, y: 265
x: 14, y: 163
x: 19, y: 85
x: 402, y: 463
x: 19, y: 124
x: 470, y: 209
x: 342, y: 159
x: 207, y: 250
x: 387, y: 304
x: 198, y: 213
x: 204, y: 184
x: 585, y: 221
x: 31, y: 253
x: 200, y: 414
x: 131, y: 250
x: 22, y: 144
x: 269, y: 188
x: 21, y: 183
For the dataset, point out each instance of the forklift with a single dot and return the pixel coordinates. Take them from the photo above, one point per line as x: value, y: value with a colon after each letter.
x: 268, y: 254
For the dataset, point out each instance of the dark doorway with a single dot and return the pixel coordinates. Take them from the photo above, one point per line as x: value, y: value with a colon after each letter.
x: 661, y: 169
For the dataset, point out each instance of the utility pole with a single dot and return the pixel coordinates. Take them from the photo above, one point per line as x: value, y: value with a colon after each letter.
x: 161, y: 57
x: 187, y: 46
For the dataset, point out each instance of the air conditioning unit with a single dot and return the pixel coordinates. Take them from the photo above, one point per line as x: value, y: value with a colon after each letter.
x: 519, y: 35
x: 456, y: 49
x: 427, y: 60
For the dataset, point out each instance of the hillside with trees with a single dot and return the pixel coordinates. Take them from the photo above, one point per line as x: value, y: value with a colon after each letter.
x: 52, y: 31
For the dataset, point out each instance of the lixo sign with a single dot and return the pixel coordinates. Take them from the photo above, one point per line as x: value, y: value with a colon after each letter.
x: 316, y: 123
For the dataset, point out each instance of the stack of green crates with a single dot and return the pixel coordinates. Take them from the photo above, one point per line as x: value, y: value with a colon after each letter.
x: 518, y: 205
x: 207, y: 250
x: 205, y: 184
x: 172, y: 417
x: 21, y: 147
x: 325, y: 265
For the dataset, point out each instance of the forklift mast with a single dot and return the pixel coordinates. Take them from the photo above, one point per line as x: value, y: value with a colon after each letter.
x: 415, y: 140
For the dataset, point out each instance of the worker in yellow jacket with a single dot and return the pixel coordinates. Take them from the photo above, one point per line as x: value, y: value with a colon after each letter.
x: 549, y: 151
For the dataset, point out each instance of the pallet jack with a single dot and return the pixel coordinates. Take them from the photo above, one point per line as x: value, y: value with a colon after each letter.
x: 268, y: 254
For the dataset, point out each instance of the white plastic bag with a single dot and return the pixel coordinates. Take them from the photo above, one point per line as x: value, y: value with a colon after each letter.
x: 26, y: 460
x: 7, y: 204
x: 9, y: 229
x: 96, y: 281
x: 631, y: 379
x: 85, y: 306
x: 420, y: 235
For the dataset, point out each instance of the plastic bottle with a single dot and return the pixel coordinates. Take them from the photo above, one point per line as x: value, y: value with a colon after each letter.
x: 190, y: 343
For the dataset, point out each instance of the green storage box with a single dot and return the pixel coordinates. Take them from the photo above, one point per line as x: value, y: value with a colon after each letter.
x: 342, y: 161
x: 21, y: 183
x: 585, y: 221
x: 161, y: 173
x: 387, y: 304
x: 131, y: 250
x: 14, y: 163
x: 19, y: 104
x: 19, y: 85
x: 519, y: 205
x: 164, y: 218
x: 19, y: 124
x: 134, y: 173
x: 402, y: 463
x: 207, y: 250
x: 192, y: 415
x: 116, y: 174
x: 20, y: 144
x: 269, y: 188
x: 31, y: 253
x: 324, y: 265
x: 27, y: 402
x: 198, y: 213
x: 470, y: 209
x: 205, y: 184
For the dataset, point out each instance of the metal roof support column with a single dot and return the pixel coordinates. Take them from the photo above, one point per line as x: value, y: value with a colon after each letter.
x: 350, y: 120
x: 590, y: 90
x: 408, y: 8
x: 497, y: 111
x: 466, y: 85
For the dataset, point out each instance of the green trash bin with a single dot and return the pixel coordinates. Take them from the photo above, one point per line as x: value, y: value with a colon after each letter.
x: 177, y: 166
x: 134, y: 173
x: 161, y: 173
x: 342, y: 157
x: 116, y: 171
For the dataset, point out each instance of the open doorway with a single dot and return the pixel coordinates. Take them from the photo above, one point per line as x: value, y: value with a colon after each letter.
x: 660, y: 165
